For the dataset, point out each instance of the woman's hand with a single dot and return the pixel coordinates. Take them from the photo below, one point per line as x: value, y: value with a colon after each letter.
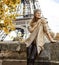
x: 54, y: 41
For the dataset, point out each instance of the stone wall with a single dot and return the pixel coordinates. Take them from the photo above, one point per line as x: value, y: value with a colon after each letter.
x: 49, y: 55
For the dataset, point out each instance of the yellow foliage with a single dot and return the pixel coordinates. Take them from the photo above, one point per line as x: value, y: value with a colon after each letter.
x: 12, y: 3
x: 6, y: 30
x: 8, y: 6
x: 1, y: 10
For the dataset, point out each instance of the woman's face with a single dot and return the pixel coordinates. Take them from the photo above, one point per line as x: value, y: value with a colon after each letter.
x: 38, y: 14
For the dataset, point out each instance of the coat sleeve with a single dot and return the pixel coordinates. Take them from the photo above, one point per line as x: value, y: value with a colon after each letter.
x: 32, y: 27
x: 45, y: 25
x: 46, y: 29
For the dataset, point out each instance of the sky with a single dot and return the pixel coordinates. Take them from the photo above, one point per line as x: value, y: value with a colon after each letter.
x: 50, y: 10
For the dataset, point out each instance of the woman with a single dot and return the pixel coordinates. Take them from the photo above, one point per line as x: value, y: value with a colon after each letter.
x: 38, y: 28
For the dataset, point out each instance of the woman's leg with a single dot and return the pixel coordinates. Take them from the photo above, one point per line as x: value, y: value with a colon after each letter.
x: 31, y: 54
x: 29, y: 50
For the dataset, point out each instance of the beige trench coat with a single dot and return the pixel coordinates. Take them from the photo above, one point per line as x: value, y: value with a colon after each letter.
x: 38, y: 35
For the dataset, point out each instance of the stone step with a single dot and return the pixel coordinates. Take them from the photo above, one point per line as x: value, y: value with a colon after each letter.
x: 24, y: 62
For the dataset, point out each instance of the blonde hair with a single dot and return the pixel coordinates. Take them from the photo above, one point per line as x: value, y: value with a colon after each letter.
x: 34, y: 18
x: 35, y: 11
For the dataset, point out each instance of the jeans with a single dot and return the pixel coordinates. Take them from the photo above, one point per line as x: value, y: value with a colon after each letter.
x: 31, y: 54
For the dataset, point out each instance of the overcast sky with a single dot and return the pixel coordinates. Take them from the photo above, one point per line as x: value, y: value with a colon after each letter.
x: 50, y: 9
